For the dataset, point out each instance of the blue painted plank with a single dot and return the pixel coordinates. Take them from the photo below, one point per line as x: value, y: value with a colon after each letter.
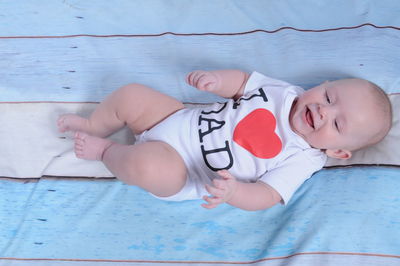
x: 66, y: 17
x: 350, y: 210
x: 342, y: 210
x: 88, y: 69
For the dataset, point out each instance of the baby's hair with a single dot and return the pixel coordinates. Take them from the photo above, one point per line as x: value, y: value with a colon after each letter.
x: 384, y: 105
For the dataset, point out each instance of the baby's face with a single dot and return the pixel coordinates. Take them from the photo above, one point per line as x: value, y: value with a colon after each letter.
x: 335, y: 115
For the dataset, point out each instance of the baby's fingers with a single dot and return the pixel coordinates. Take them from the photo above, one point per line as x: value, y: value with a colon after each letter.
x: 206, y: 83
x: 202, y: 80
x: 225, y: 174
x: 208, y: 206
x: 194, y: 77
x: 190, y: 77
x: 212, y: 202
x: 218, y: 192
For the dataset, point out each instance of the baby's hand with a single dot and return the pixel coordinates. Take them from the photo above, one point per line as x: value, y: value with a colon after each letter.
x: 222, y: 191
x: 203, y: 80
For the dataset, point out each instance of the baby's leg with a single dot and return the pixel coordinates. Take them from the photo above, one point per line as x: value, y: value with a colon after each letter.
x: 90, y: 147
x: 154, y: 166
x: 135, y: 105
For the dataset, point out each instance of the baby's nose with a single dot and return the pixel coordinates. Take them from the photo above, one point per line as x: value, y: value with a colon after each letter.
x: 322, y: 111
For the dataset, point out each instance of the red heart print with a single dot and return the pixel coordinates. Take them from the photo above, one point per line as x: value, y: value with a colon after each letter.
x: 256, y: 134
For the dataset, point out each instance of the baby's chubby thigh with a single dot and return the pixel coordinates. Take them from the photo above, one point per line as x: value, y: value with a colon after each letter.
x: 142, y: 107
x: 157, y: 167
x: 178, y: 135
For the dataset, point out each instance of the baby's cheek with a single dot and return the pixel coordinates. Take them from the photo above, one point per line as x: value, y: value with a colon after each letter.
x: 327, y: 139
x: 318, y: 140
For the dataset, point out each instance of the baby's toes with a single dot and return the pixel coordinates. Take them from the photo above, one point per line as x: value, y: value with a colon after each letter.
x: 62, y: 127
x: 79, y: 153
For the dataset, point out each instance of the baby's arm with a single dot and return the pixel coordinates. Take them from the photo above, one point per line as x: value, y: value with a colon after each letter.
x: 246, y: 196
x: 226, y: 83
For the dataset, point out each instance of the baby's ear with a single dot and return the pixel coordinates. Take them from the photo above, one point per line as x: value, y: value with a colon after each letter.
x: 339, y: 154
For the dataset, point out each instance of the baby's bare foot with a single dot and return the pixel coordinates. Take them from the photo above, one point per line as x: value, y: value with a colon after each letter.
x: 90, y: 147
x: 72, y: 122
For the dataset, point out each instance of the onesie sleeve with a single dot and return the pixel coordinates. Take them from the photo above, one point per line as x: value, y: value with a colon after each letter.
x: 291, y: 174
x: 257, y: 80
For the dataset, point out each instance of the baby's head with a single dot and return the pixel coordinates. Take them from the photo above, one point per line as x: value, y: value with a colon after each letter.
x: 342, y: 116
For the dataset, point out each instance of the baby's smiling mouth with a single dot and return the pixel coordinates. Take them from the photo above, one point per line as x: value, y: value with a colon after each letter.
x: 309, y: 118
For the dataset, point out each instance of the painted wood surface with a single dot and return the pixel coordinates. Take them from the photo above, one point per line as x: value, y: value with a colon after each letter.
x: 82, y: 50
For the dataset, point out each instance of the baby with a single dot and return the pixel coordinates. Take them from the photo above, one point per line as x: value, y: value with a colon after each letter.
x: 252, y: 151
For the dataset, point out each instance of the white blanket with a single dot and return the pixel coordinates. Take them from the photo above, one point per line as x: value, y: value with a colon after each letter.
x: 31, y: 146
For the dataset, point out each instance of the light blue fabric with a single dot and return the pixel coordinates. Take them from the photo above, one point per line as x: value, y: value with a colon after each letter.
x: 352, y: 210
x: 88, y: 68
x: 343, y: 210
x: 69, y: 17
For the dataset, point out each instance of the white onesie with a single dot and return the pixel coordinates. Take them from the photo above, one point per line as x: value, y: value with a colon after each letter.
x: 250, y: 137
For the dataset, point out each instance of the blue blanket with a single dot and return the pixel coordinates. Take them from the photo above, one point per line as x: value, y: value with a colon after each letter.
x: 80, y: 51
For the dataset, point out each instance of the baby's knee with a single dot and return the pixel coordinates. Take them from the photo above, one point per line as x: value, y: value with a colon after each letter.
x: 134, y: 89
x: 157, y: 168
x: 139, y: 169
